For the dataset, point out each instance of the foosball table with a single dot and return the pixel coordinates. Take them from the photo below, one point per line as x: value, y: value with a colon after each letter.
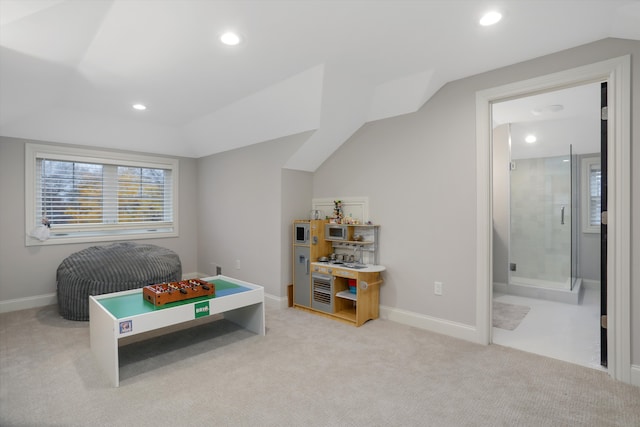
x: 163, y: 293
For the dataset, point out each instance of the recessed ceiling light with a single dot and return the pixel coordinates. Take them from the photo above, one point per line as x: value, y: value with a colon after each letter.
x: 555, y: 108
x: 531, y: 139
x: 139, y: 107
x: 230, y: 39
x: 490, y: 18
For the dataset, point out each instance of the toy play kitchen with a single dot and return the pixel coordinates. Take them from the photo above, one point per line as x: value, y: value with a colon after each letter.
x: 336, y: 271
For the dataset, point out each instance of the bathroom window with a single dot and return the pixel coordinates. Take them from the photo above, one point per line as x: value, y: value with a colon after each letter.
x: 591, y: 194
x: 89, y: 195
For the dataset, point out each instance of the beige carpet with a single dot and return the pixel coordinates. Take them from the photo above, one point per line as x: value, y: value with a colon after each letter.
x: 508, y: 316
x: 307, y: 371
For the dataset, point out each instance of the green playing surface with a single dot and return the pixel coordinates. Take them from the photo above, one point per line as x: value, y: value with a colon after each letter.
x: 134, y: 304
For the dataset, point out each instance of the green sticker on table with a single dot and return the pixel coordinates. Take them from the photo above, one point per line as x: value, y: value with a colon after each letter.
x: 201, y: 309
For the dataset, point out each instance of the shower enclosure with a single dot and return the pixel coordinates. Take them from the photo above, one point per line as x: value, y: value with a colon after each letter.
x: 543, y: 239
x: 543, y: 222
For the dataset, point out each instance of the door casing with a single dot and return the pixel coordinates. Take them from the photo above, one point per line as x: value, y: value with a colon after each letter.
x: 617, y: 73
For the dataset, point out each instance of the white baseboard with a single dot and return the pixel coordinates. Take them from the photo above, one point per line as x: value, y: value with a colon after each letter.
x: 499, y: 287
x: 196, y: 275
x: 433, y: 324
x: 274, y: 302
x: 635, y: 375
x: 28, y: 302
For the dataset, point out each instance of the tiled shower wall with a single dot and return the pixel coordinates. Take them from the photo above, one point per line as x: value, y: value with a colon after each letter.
x: 540, y: 244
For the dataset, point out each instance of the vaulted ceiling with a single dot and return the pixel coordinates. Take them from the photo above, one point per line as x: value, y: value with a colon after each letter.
x: 71, y: 70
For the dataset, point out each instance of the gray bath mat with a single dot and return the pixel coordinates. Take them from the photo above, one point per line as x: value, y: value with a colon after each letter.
x: 508, y: 316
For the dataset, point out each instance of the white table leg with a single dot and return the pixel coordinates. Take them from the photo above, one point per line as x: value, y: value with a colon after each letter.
x: 104, y: 343
x: 250, y: 317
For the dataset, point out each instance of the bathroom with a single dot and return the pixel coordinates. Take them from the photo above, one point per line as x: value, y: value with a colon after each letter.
x: 546, y: 212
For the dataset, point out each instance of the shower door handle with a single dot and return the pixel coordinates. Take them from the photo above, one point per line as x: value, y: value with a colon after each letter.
x: 562, y: 215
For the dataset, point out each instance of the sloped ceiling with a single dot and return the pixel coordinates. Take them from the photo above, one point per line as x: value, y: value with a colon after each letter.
x: 70, y: 70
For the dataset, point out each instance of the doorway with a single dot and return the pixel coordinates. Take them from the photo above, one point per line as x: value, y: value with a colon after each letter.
x: 616, y: 72
x: 546, y: 241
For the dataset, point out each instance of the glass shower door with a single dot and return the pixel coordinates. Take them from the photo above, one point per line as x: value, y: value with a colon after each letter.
x: 541, y: 222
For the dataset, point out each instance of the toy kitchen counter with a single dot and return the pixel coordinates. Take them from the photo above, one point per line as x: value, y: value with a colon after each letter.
x: 349, y: 292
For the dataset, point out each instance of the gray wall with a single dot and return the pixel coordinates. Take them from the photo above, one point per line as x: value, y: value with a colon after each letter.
x: 297, y: 187
x: 419, y: 172
x: 501, y: 204
x: 241, y: 210
x: 27, y: 272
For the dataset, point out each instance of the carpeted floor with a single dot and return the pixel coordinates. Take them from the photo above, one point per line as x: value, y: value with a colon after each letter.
x: 307, y: 371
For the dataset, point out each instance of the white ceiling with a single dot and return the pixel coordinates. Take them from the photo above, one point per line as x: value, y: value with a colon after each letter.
x: 70, y: 70
x: 577, y: 123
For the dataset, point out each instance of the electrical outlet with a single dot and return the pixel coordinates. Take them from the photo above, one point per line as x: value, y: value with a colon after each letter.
x: 437, y: 288
x: 237, y: 264
x: 218, y: 270
x: 213, y: 266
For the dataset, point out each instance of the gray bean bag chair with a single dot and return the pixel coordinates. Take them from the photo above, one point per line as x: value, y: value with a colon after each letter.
x: 104, y: 269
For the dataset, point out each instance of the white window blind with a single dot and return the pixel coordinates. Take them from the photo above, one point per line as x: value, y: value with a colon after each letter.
x: 595, y: 182
x: 591, y: 184
x: 89, y: 196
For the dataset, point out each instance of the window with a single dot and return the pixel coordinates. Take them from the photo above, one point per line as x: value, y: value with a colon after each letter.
x: 89, y: 195
x: 591, y: 196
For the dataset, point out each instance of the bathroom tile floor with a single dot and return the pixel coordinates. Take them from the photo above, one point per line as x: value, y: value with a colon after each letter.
x: 562, y: 331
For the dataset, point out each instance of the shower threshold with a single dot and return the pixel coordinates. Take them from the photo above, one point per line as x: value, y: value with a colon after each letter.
x: 530, y: 290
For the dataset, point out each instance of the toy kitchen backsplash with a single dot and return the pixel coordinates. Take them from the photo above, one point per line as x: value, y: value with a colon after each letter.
x: 352, y: 211
x: 357, y: 252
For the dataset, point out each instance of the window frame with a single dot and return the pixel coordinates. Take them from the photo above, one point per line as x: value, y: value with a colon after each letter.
x: 75, y: 154
x: 587, y: 163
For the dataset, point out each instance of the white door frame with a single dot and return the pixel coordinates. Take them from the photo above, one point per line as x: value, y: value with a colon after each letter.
x: 617, y: 73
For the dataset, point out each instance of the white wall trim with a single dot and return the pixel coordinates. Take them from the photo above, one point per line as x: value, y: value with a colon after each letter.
x: 29, y: 302
x: 617, y: 72
x: 196, y: 275
x: 635, y: 375
x: 433, y: 324
x: 275, y: 302
x: 97, y: 233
